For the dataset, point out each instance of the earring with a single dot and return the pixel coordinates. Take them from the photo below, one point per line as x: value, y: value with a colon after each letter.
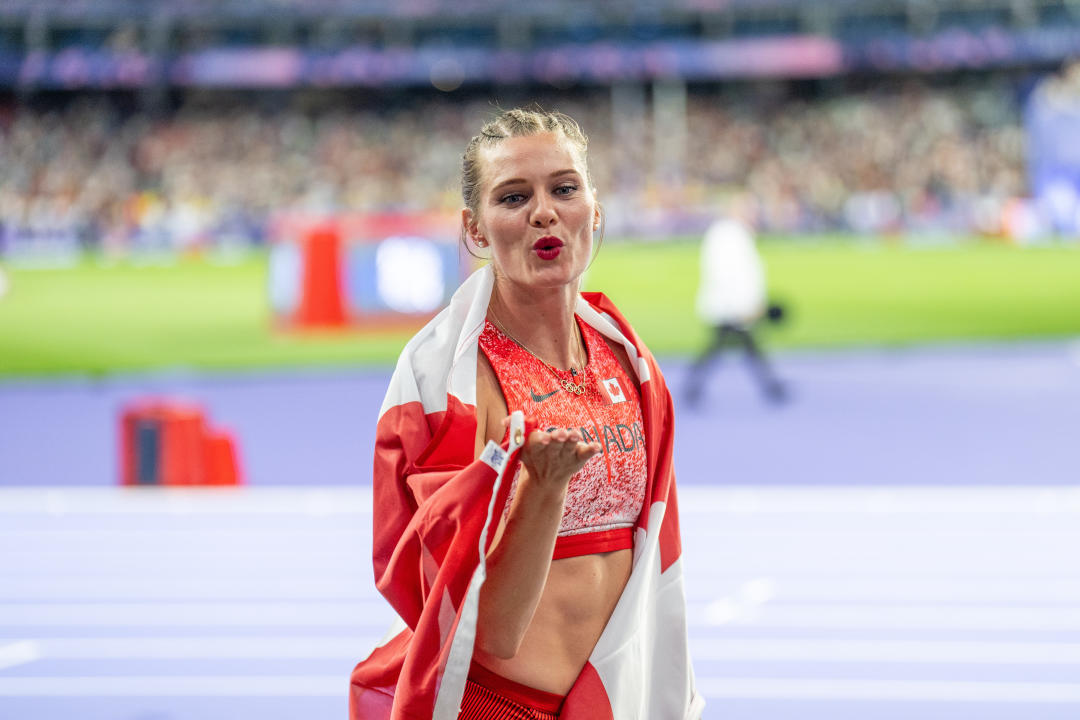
x: 481, y: 242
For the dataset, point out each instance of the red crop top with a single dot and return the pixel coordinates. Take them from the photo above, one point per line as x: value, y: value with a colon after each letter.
x: 604, y: 498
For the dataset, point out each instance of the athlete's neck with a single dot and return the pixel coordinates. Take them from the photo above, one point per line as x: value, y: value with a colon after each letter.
x: 542, y: 320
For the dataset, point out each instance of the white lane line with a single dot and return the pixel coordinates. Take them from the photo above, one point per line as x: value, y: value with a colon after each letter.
x: 234, y: 540
x: 178, y: 686
x: 183, y: 614
x: 227, y: 583
x: 336, y: 647
x: 999, y: 589
x: 19, y: 653
x: 716, y: 687
x: 323, y: 501
x: 182, y: 501
x: 893, y: 690
x: 173, y: 589
x: 821, y: 531
x: 724, y: 612
x: 873, y: 651
x: 957, y: 500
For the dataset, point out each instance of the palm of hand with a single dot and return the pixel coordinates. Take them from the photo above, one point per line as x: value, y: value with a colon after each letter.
x: 557, y: 455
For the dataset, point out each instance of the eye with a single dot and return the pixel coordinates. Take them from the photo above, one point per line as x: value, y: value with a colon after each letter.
x: 511, y: 198
x: 567, y: 189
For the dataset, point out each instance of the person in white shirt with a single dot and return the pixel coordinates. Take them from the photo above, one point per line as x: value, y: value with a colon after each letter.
x: 732, y: 299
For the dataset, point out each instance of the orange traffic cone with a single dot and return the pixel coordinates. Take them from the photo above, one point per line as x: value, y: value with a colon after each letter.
x: 321, y: 301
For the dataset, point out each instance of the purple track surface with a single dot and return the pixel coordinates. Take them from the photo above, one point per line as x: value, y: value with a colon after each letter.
x: 981, y: 415
x: 897, y: 542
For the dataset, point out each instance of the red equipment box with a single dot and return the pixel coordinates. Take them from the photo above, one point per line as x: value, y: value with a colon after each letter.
x: 165, y: 442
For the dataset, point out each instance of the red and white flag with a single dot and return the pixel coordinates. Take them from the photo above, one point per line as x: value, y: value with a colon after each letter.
x: 436, y: 507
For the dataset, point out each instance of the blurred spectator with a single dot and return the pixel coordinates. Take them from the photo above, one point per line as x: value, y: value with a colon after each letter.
x: 732, y: 298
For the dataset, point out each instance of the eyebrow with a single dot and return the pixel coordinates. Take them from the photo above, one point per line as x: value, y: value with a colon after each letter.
x: 514, y: 181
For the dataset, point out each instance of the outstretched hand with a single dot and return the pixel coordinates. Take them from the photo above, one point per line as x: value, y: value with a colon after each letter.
x: 553, y: 457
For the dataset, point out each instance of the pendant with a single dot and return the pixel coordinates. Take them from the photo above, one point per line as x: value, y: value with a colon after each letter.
x: 572, y: 388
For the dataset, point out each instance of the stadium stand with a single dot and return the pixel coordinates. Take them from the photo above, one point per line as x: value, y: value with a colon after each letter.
x: 127, y: 124
x: 865, y: 161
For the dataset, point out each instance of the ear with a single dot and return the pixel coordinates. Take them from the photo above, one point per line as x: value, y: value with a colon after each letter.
x: 470, y: 222
x: 597, y: 215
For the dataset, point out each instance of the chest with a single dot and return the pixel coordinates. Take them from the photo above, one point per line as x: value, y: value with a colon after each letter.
x: 605, y: 407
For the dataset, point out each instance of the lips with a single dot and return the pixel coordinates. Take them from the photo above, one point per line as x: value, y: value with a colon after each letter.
x: 548, y: 248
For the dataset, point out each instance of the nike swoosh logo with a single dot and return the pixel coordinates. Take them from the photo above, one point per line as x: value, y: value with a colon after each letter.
x: 542, y: 398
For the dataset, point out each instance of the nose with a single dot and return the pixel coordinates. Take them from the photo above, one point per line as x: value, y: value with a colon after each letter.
x: 543, y: 213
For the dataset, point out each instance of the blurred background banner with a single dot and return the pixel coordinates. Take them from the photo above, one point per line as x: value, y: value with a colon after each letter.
x: 362, y: 269
x: 220, y: 221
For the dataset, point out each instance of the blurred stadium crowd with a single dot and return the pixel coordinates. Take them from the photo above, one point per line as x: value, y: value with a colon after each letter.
x: 128, y: 124
x: 909, y: 157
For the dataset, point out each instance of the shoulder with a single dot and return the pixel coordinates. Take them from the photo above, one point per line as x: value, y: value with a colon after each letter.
x: 426, y: 364
x: 630, y: 356
x: 628, y: 346
x: 620, y: 354
x: 456, y: 325
x: 603, y: 312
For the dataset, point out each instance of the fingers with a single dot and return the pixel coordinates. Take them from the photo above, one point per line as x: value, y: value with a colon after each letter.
x: 558, y: 436
x: 565, y: 435
x: 558, y: 453
x: 586, y: 451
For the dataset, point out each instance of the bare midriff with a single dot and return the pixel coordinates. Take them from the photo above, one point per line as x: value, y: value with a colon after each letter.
x: 578, y: 599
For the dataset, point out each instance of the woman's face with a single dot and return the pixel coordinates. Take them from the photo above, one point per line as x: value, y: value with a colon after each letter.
x: 536, y: 211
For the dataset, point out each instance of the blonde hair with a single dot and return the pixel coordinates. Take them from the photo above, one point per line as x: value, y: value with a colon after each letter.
x: 518, y: 122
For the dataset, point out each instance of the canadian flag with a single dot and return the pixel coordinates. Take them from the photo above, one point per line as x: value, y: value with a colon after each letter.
x: 614, y: 390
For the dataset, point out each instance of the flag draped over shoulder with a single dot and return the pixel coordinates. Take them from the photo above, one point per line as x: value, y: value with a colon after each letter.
x: 436, y: 508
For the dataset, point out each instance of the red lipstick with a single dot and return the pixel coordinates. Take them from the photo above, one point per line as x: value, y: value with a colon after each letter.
x: 548, y: 248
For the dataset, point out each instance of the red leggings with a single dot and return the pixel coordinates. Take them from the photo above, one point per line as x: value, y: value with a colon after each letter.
x: 489, y: 696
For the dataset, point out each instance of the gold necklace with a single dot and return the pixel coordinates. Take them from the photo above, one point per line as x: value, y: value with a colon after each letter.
x: 570, y: 387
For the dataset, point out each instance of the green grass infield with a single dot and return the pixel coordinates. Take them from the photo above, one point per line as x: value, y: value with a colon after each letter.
x: 104, y: 318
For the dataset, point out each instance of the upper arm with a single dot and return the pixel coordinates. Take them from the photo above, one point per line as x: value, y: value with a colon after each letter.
x: 490, y: 405
x: 490, y: 411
